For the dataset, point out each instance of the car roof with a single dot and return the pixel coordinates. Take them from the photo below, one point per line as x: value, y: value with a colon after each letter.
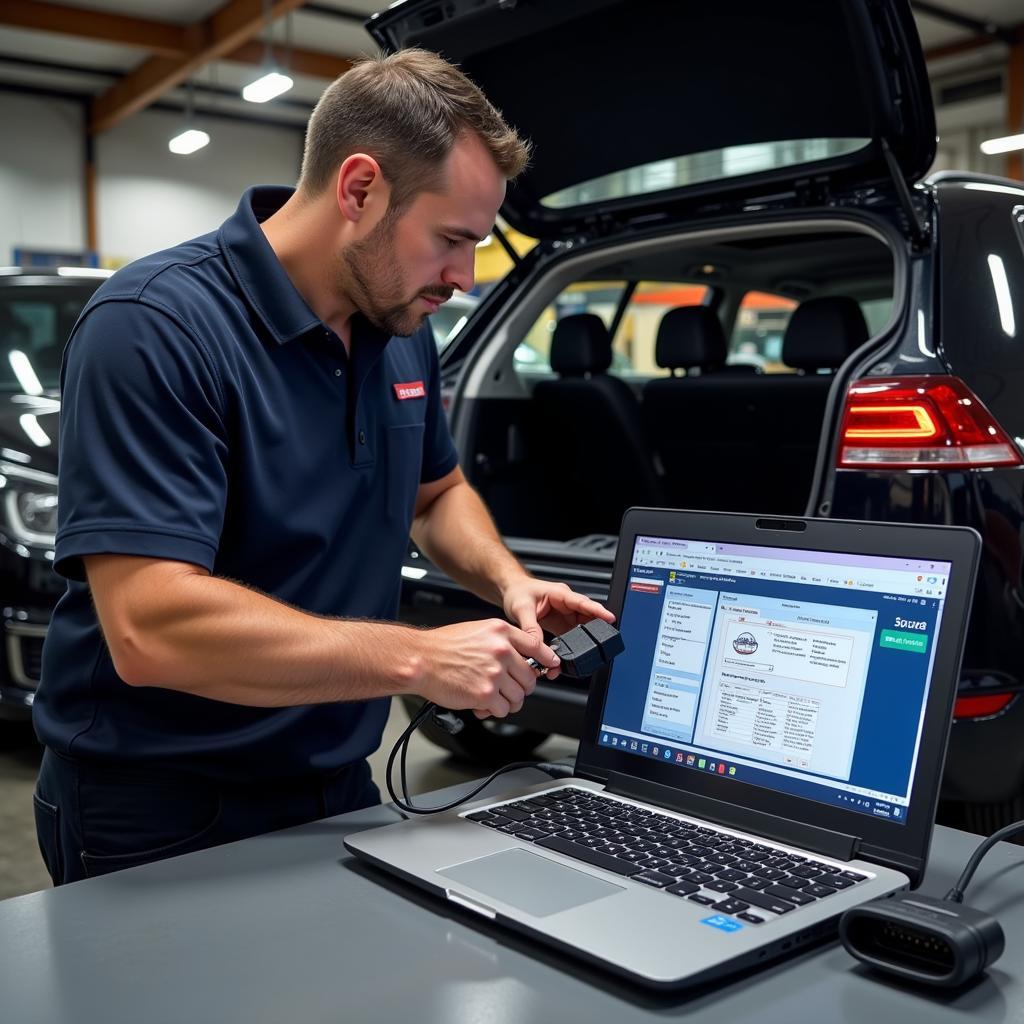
x: 55, y: 273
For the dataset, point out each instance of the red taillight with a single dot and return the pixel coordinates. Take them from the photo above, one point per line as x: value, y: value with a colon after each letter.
x: 982, y: 706
x: 933, y: 422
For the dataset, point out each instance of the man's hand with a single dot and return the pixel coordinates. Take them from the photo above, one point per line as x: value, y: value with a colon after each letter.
x: 479, y: 666
x: 538, y: 605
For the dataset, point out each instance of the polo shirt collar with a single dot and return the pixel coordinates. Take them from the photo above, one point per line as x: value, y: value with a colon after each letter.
x: 255, y: 266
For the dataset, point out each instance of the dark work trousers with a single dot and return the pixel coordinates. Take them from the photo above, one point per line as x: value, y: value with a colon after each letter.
x: 94, y: 818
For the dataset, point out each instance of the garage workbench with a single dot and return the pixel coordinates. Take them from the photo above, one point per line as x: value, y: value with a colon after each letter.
x: 288, y: 929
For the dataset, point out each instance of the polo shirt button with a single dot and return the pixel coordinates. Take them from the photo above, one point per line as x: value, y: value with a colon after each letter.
x: 337, y: 373
x: 362, y: 437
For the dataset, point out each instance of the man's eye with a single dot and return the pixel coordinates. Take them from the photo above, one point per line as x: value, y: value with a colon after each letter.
x: 452, y: 242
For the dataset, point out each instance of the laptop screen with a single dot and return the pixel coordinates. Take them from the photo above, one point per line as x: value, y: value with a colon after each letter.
x: 805, y: 672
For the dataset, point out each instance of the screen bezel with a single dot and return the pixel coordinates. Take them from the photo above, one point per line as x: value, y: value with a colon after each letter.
x: 959, y: 546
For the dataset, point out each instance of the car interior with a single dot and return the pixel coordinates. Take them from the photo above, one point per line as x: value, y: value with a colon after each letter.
x: 692, y: 376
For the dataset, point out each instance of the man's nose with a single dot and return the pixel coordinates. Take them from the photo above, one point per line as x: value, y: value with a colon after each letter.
x: 461, y: 271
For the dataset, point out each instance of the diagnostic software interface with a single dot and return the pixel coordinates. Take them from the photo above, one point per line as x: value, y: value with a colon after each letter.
x: 802, y: 671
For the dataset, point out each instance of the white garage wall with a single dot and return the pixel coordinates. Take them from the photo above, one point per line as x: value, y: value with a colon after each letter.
x: 963, y: 127
x: 41, y: 178
x: 148, y: 198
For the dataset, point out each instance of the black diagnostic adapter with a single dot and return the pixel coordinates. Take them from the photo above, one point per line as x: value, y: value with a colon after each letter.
x: 584, y: 649
x: 581, y: 652
x: 922, y: 939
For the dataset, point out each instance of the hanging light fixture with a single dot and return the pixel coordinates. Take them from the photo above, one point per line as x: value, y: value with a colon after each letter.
x: 1005, y: 144
x: 189, y: 139
x: 273, y: 82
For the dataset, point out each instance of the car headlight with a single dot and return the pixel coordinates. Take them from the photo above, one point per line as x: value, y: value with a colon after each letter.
x: 29, y: 505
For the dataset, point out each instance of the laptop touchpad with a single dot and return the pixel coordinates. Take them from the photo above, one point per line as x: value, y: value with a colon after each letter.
x: 530, y: 882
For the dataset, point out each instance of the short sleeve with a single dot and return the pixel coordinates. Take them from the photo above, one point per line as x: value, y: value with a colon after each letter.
x: 439, y: 454
x: 143, y: 449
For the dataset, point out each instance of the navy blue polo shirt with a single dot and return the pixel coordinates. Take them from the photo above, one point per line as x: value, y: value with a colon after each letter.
x: 210, y: 417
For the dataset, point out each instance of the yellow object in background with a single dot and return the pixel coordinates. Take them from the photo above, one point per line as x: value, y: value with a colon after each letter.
x: 492, y: 262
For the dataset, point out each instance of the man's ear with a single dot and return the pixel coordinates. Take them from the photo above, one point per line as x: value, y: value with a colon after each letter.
x: 361, y: 188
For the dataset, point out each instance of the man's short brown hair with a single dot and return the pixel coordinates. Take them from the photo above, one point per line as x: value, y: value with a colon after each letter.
x: 406, y: 110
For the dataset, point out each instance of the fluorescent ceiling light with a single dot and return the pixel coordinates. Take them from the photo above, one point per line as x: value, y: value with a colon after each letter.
x: 188, y: 141
x: 272, y: 84
x: 1006, y: 144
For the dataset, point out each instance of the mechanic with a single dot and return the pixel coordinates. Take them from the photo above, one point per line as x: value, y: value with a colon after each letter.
x: 251, y: 428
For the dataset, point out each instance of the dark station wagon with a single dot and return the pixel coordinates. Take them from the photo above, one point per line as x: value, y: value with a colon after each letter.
x: 833, y: 333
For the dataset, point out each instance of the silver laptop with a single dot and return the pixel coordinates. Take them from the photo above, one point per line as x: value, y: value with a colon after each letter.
x: 765, y: 753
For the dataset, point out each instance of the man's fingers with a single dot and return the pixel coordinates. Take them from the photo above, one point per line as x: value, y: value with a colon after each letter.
x: 498, y: 706
x: 583, y: 606
x: 530, y: 646
x: 515, y: 695
x: 526, y: 615
x: 520, y: 677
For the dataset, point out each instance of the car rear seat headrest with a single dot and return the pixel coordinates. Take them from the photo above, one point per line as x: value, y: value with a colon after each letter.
x: 690, y: 336
x: 823, y: 332
x: 580, y: 345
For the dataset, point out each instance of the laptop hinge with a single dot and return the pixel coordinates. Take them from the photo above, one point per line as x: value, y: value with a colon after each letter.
x: 912, y: 867
x: 784, y: 830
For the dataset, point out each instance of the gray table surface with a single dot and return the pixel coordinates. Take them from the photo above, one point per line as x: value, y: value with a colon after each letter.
x: 288, y: 929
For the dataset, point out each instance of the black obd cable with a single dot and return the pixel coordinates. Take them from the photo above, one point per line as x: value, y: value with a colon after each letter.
x: 581, y: 651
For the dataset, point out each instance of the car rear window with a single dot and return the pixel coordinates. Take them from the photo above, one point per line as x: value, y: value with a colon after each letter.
x: 712, y: 165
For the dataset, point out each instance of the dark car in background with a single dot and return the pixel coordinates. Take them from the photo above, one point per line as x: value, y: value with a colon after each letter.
x: 759, y: 152
x: 38, y: 308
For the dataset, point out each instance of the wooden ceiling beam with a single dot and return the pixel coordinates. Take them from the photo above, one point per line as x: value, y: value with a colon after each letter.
x: 961, y: 46
x: 223, y: 32
x: 303, y: 62
x: 159, y: 38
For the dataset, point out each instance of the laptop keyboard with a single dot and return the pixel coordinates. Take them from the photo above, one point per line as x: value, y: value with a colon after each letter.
x: 749, y: 880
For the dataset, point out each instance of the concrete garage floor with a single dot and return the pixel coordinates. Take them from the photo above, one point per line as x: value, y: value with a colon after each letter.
x: 21, y: 867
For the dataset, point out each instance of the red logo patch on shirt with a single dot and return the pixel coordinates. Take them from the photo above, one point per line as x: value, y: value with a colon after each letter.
x: 411, y: 389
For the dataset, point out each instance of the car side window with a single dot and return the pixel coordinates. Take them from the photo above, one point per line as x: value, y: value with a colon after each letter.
x: 876, y: 313
x: 533, y: 354
x: 633, y: 343
x: 757, y: 332
x: 451, y: 318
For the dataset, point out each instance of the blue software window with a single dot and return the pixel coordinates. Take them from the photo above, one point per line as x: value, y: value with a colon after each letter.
x: 799, y: 670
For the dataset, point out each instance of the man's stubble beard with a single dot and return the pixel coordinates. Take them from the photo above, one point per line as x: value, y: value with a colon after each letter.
x: 368, y: 272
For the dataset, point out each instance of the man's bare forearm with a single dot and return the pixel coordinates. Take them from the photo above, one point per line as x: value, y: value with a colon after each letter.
x: 172, y: 626
x: 457, y: 533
